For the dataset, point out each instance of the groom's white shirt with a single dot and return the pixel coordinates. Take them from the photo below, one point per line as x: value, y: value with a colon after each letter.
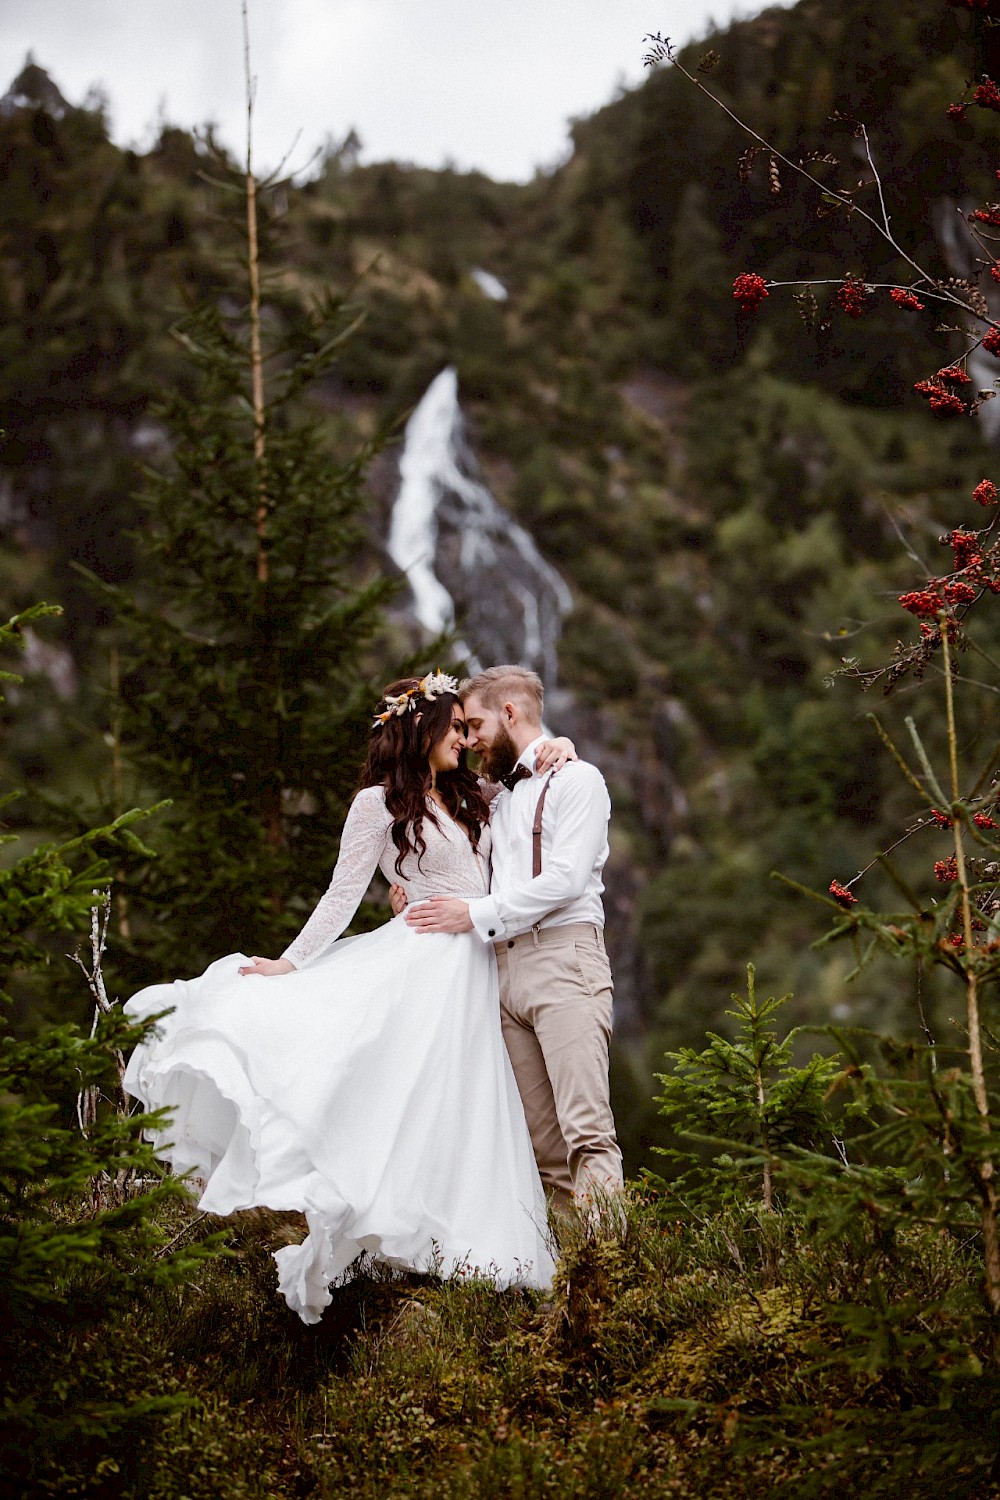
x: 569, y: 887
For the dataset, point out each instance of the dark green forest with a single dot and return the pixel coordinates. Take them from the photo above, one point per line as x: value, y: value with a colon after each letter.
x: 736, y: 503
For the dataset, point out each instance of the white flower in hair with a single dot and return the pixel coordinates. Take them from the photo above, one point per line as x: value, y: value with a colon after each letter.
x: 436, y: 683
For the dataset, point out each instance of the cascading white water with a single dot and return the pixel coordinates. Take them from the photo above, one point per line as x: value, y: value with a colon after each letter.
x: 413, y: 530
x: 491, y: 286
x: 463, y: 555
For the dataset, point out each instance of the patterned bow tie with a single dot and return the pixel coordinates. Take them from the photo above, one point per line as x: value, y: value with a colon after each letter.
x: 519, y: 773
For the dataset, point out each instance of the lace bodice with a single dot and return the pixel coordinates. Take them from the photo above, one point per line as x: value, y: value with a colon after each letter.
x: 449, y: 867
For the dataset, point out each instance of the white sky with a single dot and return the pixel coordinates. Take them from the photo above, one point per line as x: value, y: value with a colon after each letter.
x: 482, y: 83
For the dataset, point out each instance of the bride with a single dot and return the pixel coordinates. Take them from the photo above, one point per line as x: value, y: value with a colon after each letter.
x: 364, y: 1080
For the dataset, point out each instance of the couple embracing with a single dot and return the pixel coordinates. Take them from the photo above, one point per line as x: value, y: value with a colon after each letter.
x: 418, y: 1090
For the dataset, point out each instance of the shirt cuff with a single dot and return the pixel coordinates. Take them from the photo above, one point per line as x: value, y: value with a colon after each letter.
x: 486, y: 919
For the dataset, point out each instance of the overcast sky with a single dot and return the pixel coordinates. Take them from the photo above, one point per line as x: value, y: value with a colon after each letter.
x: 481, y: 83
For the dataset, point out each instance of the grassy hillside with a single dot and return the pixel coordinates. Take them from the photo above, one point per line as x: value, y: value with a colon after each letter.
x: 713, y: 1359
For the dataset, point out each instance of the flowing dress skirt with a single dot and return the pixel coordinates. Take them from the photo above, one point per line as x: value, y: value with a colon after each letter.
x: 371, y: 1090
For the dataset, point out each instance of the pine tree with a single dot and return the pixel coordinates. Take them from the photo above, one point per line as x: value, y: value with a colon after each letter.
x: 746, y: 1100
x: 81, y: 1242
x: 244, y: 696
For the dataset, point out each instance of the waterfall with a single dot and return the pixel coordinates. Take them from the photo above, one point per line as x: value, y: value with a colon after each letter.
x: 491, y: 286
x: 413, y: 529
x: 466, y: 560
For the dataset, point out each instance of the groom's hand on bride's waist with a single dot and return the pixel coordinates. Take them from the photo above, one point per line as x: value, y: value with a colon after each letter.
x: 397, y: 899
x: 439, y: 914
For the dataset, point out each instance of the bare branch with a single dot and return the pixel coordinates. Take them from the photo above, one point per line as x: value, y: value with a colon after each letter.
x: 88, y: 1098
x: 662, y: 50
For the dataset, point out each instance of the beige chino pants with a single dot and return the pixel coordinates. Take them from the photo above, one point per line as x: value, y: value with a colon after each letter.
x: 555, y: 1007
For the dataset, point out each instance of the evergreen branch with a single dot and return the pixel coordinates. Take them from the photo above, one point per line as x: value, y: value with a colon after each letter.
x: 308, y: 368
x: 928, y: 770
x: 897, y: 757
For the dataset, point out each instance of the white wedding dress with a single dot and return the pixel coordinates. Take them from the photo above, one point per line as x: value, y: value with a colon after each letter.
x: 370, y: 1089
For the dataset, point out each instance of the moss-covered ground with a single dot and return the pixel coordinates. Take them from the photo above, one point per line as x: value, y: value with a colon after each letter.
x: 716, y: 1357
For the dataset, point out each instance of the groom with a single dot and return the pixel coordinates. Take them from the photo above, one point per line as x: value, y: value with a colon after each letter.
x: 545, y: 920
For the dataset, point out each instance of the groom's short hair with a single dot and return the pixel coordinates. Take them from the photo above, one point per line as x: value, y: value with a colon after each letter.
x: 499, y: 685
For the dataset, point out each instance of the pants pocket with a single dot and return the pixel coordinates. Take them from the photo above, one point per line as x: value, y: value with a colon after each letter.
x: 592, y: 963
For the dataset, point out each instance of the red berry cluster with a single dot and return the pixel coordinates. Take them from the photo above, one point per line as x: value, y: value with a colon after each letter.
x: 750, y: 291
x: 981, y: 819
x: 943, y: 403
x: 933, y: 633
x: 975, y: 566
x: 988, y: 215
x: 850, y: 296
x: 986, y: 95
x: 842, y: 894
x: 954, y: 375
x: 965, y: 545
x: 922, y: 602
x: 906, y: 299
x: 991, y: 342
x: 946, y: 870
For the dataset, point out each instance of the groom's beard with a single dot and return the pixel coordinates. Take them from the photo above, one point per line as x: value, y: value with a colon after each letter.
x: 500, y: 758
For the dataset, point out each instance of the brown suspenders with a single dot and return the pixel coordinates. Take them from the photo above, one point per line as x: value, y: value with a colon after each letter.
x: 536, y: 832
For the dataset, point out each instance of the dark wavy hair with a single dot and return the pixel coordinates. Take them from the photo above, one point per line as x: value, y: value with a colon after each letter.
x: 398, y: 760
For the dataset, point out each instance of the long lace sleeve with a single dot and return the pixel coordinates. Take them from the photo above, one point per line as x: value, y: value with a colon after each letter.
x: 361, y: 845
x: 490, y: 789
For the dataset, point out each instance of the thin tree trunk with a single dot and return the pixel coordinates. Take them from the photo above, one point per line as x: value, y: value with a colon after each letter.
x: 117, y: 780
x: 987, y: 1178
x: 273, y: 821
x: 256, y: 359
x: 768, y: 1185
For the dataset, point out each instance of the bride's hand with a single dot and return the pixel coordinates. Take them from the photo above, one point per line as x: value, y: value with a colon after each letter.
x: 552, y: 755
x: 266, y: 966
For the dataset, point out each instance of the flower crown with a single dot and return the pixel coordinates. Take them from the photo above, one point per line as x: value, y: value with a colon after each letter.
x: 428, y: 688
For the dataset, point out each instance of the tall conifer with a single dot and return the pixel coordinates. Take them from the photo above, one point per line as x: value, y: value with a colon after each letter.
x: 243, y: 694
